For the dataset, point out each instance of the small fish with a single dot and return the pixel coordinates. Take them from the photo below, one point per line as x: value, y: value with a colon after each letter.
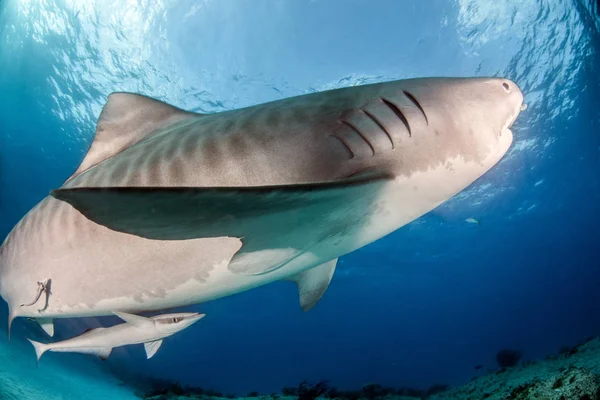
x: 473, y: 221
x: 136, y: 329
x: 478, y: 366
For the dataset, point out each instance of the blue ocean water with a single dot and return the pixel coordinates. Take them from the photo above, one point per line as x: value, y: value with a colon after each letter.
x: 420, y: 306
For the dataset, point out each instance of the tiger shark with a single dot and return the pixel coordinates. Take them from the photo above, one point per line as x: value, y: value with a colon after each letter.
x: 171, y: 208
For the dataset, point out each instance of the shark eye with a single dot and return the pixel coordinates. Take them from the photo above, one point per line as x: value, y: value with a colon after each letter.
x: 506, y: 87
x: 175, y: 320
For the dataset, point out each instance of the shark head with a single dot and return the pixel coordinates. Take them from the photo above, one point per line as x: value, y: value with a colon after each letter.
x: 169, y: 324
x: 484, y: 108
x: 449, y: 132
x: 467, y: 118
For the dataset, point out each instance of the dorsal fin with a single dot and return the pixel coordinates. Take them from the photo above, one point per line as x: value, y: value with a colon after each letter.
x: 126, y: 119
x: 135, y: 320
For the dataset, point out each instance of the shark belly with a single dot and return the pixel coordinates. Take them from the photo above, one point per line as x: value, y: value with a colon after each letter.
x: 398, y: 203
x: 94, y: 271
x: 407, y: 198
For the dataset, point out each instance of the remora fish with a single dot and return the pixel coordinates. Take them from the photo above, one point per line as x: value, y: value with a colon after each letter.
x: 172, y: 208
x: 137, y: 329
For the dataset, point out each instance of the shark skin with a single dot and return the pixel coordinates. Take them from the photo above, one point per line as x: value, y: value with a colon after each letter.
x: 171, y: 208
x: 136, y: 329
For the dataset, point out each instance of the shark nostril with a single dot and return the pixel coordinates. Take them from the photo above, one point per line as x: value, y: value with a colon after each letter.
x: 506, y: 87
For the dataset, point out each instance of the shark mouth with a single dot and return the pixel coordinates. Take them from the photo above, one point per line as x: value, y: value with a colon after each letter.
x: 511, y: 120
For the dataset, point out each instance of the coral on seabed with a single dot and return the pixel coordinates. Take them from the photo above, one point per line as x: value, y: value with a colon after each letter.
x: 573, y: 374
x: 304, y: 391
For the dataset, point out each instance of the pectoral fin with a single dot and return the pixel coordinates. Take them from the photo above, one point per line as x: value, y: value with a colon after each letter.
x: 313, y: 283
x: 47, y: 325
x: 104, y: 353
x: 178, y: 213
x: 101, y: 352
x: 135, y: 320
x: 152, y: 347
x: 274, y: 223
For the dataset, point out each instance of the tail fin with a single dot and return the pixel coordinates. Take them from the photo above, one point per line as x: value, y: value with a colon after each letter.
x: 40, y: 348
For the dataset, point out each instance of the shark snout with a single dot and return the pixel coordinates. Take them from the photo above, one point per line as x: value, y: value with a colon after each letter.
x: 193, y: 317
x: 172, y: 323
x: 190, y: 319
x: 515, y: 95
x: 508, y: 94
x: 511, y: 88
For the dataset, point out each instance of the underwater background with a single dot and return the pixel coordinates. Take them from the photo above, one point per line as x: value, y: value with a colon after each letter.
x: 421, y: 306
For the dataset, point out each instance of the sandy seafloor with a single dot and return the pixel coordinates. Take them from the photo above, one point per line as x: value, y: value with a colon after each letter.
x: 573, y: 374
x: 54, y: 378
